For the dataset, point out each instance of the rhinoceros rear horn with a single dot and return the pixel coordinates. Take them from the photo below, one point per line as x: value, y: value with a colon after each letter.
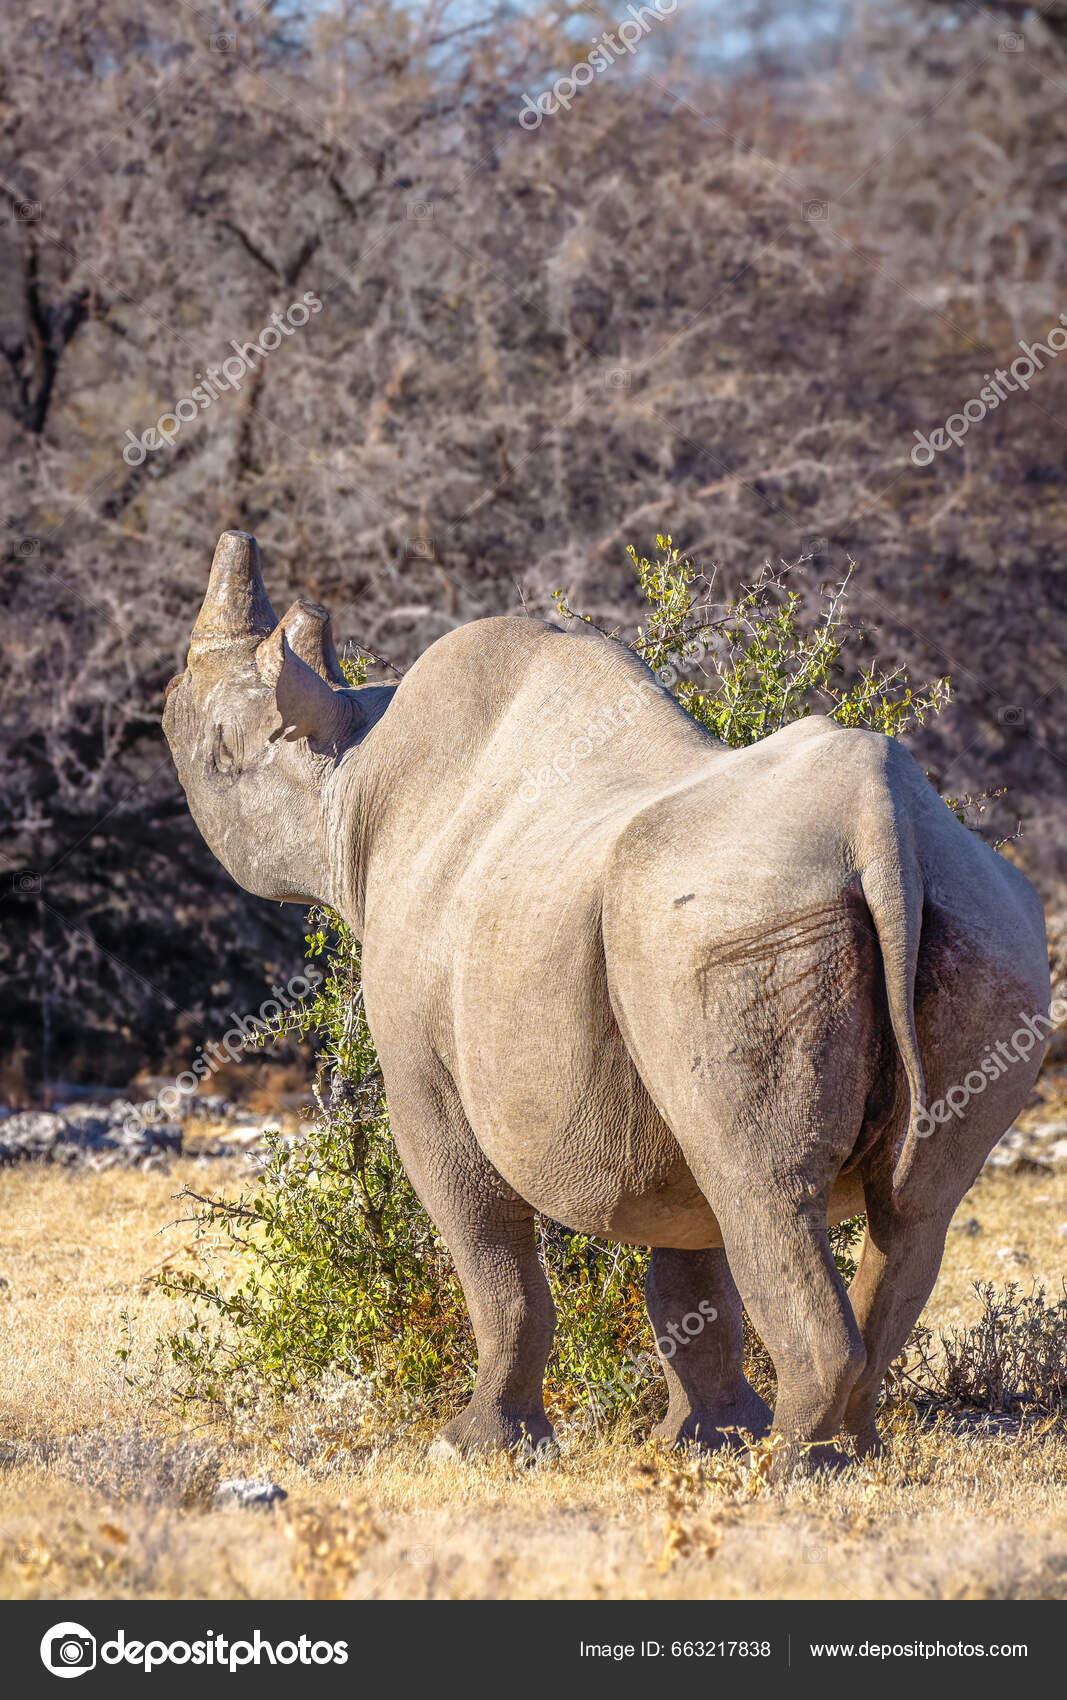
x: 309, y: 631
x: 236, y: 607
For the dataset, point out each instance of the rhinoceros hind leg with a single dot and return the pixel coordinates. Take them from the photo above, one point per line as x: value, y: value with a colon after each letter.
x: 695, y: 1311
x: 906, y: 1228
x: 898, y: 1266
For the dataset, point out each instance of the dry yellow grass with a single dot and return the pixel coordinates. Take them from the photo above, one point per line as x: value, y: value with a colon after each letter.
x: 104, y: 1494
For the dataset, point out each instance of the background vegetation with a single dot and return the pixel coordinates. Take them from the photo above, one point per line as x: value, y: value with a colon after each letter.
x: 720, y: 294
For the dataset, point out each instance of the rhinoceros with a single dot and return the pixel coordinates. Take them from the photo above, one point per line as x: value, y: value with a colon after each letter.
x: 667, y: 992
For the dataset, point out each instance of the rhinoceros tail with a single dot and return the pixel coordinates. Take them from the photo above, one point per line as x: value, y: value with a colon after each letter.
x: 893, y: 889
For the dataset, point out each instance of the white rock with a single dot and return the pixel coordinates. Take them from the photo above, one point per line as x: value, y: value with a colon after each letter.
x: 249, y: 1494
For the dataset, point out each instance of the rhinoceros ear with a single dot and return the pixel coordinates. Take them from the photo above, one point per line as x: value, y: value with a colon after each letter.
x: 310, y: 633
x: 307, y: 706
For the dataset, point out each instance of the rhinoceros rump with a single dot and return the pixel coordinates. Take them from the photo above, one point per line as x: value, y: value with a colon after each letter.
x: 671, y: 993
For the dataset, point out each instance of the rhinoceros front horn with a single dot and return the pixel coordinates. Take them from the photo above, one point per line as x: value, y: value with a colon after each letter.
x: 236, y: 606
x: 310, y: 633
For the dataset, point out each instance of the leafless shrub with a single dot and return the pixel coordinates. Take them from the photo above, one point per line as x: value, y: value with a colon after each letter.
x: 534, y: 349
x: 132, y: 1464
x: 1014, y: 1355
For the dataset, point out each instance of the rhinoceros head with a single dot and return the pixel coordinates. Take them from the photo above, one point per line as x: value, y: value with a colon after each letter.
x: 257, y: 724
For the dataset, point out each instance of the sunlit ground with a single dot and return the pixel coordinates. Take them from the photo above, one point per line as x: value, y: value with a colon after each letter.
x: 104, y: 1492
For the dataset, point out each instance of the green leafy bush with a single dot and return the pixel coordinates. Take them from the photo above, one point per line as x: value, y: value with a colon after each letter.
x: 330, y: 1265
x: 329, y: 1262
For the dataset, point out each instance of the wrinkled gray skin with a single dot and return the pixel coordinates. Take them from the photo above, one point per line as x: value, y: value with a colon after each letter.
x: 692, y: 997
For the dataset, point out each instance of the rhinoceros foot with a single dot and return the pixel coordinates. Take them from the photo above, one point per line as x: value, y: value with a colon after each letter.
x: 479, y: 1430
x: 713, y: 1429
